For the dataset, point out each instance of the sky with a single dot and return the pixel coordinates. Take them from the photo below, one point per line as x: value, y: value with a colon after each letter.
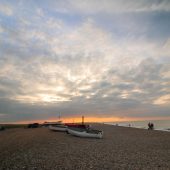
x: 108, y: 60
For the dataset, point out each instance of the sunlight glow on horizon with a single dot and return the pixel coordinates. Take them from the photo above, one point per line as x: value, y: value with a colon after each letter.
x: 92, y: 120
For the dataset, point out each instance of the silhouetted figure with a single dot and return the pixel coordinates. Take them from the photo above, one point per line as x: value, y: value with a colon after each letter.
x: 150, y: 126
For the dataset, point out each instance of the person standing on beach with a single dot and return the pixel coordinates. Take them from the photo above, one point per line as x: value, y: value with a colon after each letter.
x: 150, y: 126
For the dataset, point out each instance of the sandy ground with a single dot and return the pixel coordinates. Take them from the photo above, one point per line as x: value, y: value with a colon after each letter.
x: 121, y: 148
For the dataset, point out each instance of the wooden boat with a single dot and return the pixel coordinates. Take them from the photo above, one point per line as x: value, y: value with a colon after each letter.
x: 77, y: 125
x: 59, y: 127
x: 86, y: 133
x: 47, y: 124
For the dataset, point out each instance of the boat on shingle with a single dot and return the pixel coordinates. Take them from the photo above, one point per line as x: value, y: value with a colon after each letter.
x: 85, y: 132
x: 58, y: 127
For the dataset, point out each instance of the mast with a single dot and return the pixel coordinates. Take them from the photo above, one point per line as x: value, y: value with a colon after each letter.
x: 82, y: 120
x: 59, y: 116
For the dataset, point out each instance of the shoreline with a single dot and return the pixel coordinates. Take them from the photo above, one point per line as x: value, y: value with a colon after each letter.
x: 137, y: 127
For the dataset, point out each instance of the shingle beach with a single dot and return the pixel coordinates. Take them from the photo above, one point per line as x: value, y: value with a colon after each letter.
x: 120, y: 148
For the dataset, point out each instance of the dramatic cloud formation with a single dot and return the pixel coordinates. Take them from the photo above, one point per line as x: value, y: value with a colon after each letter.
x: 109, y: 59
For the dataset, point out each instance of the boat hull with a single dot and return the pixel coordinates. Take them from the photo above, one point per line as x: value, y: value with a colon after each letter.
x: 84, y: 133
x: 58, y: 128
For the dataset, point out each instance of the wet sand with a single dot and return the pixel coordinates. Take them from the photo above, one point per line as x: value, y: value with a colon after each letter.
x: 121, y: 148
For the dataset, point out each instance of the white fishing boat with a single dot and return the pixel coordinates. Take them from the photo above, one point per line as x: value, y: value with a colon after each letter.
x: 47, y: 124
x: 86, y: 133
x: 60, y: 127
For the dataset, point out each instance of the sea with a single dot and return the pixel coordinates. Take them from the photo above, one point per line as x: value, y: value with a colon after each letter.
x: 163, y: 125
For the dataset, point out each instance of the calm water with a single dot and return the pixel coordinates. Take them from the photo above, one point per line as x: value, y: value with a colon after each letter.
x: 158, y: 124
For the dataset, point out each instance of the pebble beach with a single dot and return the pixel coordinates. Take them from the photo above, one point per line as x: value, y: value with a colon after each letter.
x: 121, y: 148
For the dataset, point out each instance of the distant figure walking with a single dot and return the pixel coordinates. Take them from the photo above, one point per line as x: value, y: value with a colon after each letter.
x: 150, y: 126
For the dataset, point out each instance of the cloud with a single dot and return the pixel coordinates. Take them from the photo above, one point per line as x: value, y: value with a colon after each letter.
x: 162, y: 100
x: 77, y: 61
x: 110, y: 7
x: 94, y: 7
x: 6, y: 9
x: 50, y: 65
x: 1, y: 30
